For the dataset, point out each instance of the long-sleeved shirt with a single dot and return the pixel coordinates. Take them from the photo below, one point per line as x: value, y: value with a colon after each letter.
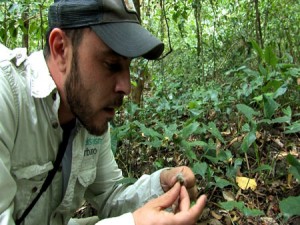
x: 30, y: 135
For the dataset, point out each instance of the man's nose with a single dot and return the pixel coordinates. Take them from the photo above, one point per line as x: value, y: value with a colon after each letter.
x: 123, y: 83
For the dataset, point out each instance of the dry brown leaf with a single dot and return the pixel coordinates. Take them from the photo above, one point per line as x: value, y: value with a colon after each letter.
x: 278, y: 142
x: 210, y: 222
x: 240, y: 138
x: 289, y: 180
x: 218, y: 146
x: 234, y: 216
x: 258, y: 135
x: 226, y: 133
x: 268, y: 221
x: 216, y: 215
x: 283, y: 154
x: 228, y: 196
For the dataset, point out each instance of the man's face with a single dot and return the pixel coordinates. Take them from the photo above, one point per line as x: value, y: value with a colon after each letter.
x: 97, y: 83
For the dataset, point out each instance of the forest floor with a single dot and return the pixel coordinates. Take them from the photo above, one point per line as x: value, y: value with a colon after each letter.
x: 272, y: 186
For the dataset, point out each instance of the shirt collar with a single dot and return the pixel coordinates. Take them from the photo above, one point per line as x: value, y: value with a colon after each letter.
x: 41, y: 82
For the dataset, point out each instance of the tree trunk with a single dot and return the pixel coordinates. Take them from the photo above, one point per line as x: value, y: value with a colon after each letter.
x: 259, y: 37
x: 200, y: 54
x: 25, y: 18
x: 213, y: 38
x: 137, y: 91
x: 197, y: 13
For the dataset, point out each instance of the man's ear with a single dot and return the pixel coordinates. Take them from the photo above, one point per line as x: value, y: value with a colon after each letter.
x: 60, y: 49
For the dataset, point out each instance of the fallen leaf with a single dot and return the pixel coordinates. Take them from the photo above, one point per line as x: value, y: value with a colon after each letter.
x: 268, y: 221
x: 228, y: 195
x: 289, y: 179
x: 216, y: 215
x: 279, y: 143
x: 246, y: 183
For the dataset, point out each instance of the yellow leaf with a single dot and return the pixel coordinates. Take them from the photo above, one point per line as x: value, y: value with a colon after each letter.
x: 246, y: 183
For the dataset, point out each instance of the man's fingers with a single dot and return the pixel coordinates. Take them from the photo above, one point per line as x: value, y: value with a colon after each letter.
x: 197, y: 209
x: 166, y: 200
x: 182, y: 174
x: 184, y: 200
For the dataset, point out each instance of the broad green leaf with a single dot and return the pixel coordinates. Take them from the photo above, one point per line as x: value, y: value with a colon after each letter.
x: 189, y: 130
x: 270, y: 106
x: 149, y: 132
x: 290, y: 206
x: 232, y: 170
x: 190, y: 154
x: 247, y: 111
x: 193, y: 105
x: 212, y: 128
x: 252, y: 212
x: 158, y: 164
x: 295, y: 166
x: 280, y: 91
x: 287, y: 111
x: 284, y: 119
x: 272, y: 85
x: 225, y: 156
x: 211, y: 158
x: 294, y: 128
x: 247, y: 89
x: 249, y: 139
x: 156, y: 143
x: 263, y: 70
x: 213, y: 95
x: 221, y: 183
x: 246, y: 127
x: 197, y: 144
x: 295, y: 72
x: 258, y: 50
x: 200, y: 169
x: 263, y: 167
x: 230, y: 205
x: 295, y: 172
x: 270, y: 57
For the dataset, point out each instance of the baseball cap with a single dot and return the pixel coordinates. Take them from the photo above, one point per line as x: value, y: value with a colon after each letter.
x: 116, y: 22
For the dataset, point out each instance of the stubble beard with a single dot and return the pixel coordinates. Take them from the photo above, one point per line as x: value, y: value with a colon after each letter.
x: 77, y: 95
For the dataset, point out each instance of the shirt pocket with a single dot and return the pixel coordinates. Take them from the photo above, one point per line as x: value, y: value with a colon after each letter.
x: 29, y: 182
x: 87, y: 177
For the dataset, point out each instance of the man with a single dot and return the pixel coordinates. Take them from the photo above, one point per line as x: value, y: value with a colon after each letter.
x: 60, y: 103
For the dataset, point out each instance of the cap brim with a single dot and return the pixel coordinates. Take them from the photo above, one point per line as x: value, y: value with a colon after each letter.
x: 130, y: 40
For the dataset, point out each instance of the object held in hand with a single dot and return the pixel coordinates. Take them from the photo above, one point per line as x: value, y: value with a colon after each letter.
x: 180, y: 178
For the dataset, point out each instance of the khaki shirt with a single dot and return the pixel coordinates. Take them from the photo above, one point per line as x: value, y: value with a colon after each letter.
x: 29, y: 138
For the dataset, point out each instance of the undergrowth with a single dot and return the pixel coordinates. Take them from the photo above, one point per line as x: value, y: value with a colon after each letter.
x: 239, y: 133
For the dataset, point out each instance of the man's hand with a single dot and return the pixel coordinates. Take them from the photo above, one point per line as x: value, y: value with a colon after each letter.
x: 184, y: 175
x: 153, y: 213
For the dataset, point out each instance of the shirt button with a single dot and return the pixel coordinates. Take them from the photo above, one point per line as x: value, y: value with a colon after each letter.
x: 55, y: 125
x: 19, y: 55
x: 34, y: 189
x: 54, y: 96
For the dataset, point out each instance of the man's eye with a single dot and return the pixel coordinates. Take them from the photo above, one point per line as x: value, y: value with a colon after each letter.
x: 114, y: 67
